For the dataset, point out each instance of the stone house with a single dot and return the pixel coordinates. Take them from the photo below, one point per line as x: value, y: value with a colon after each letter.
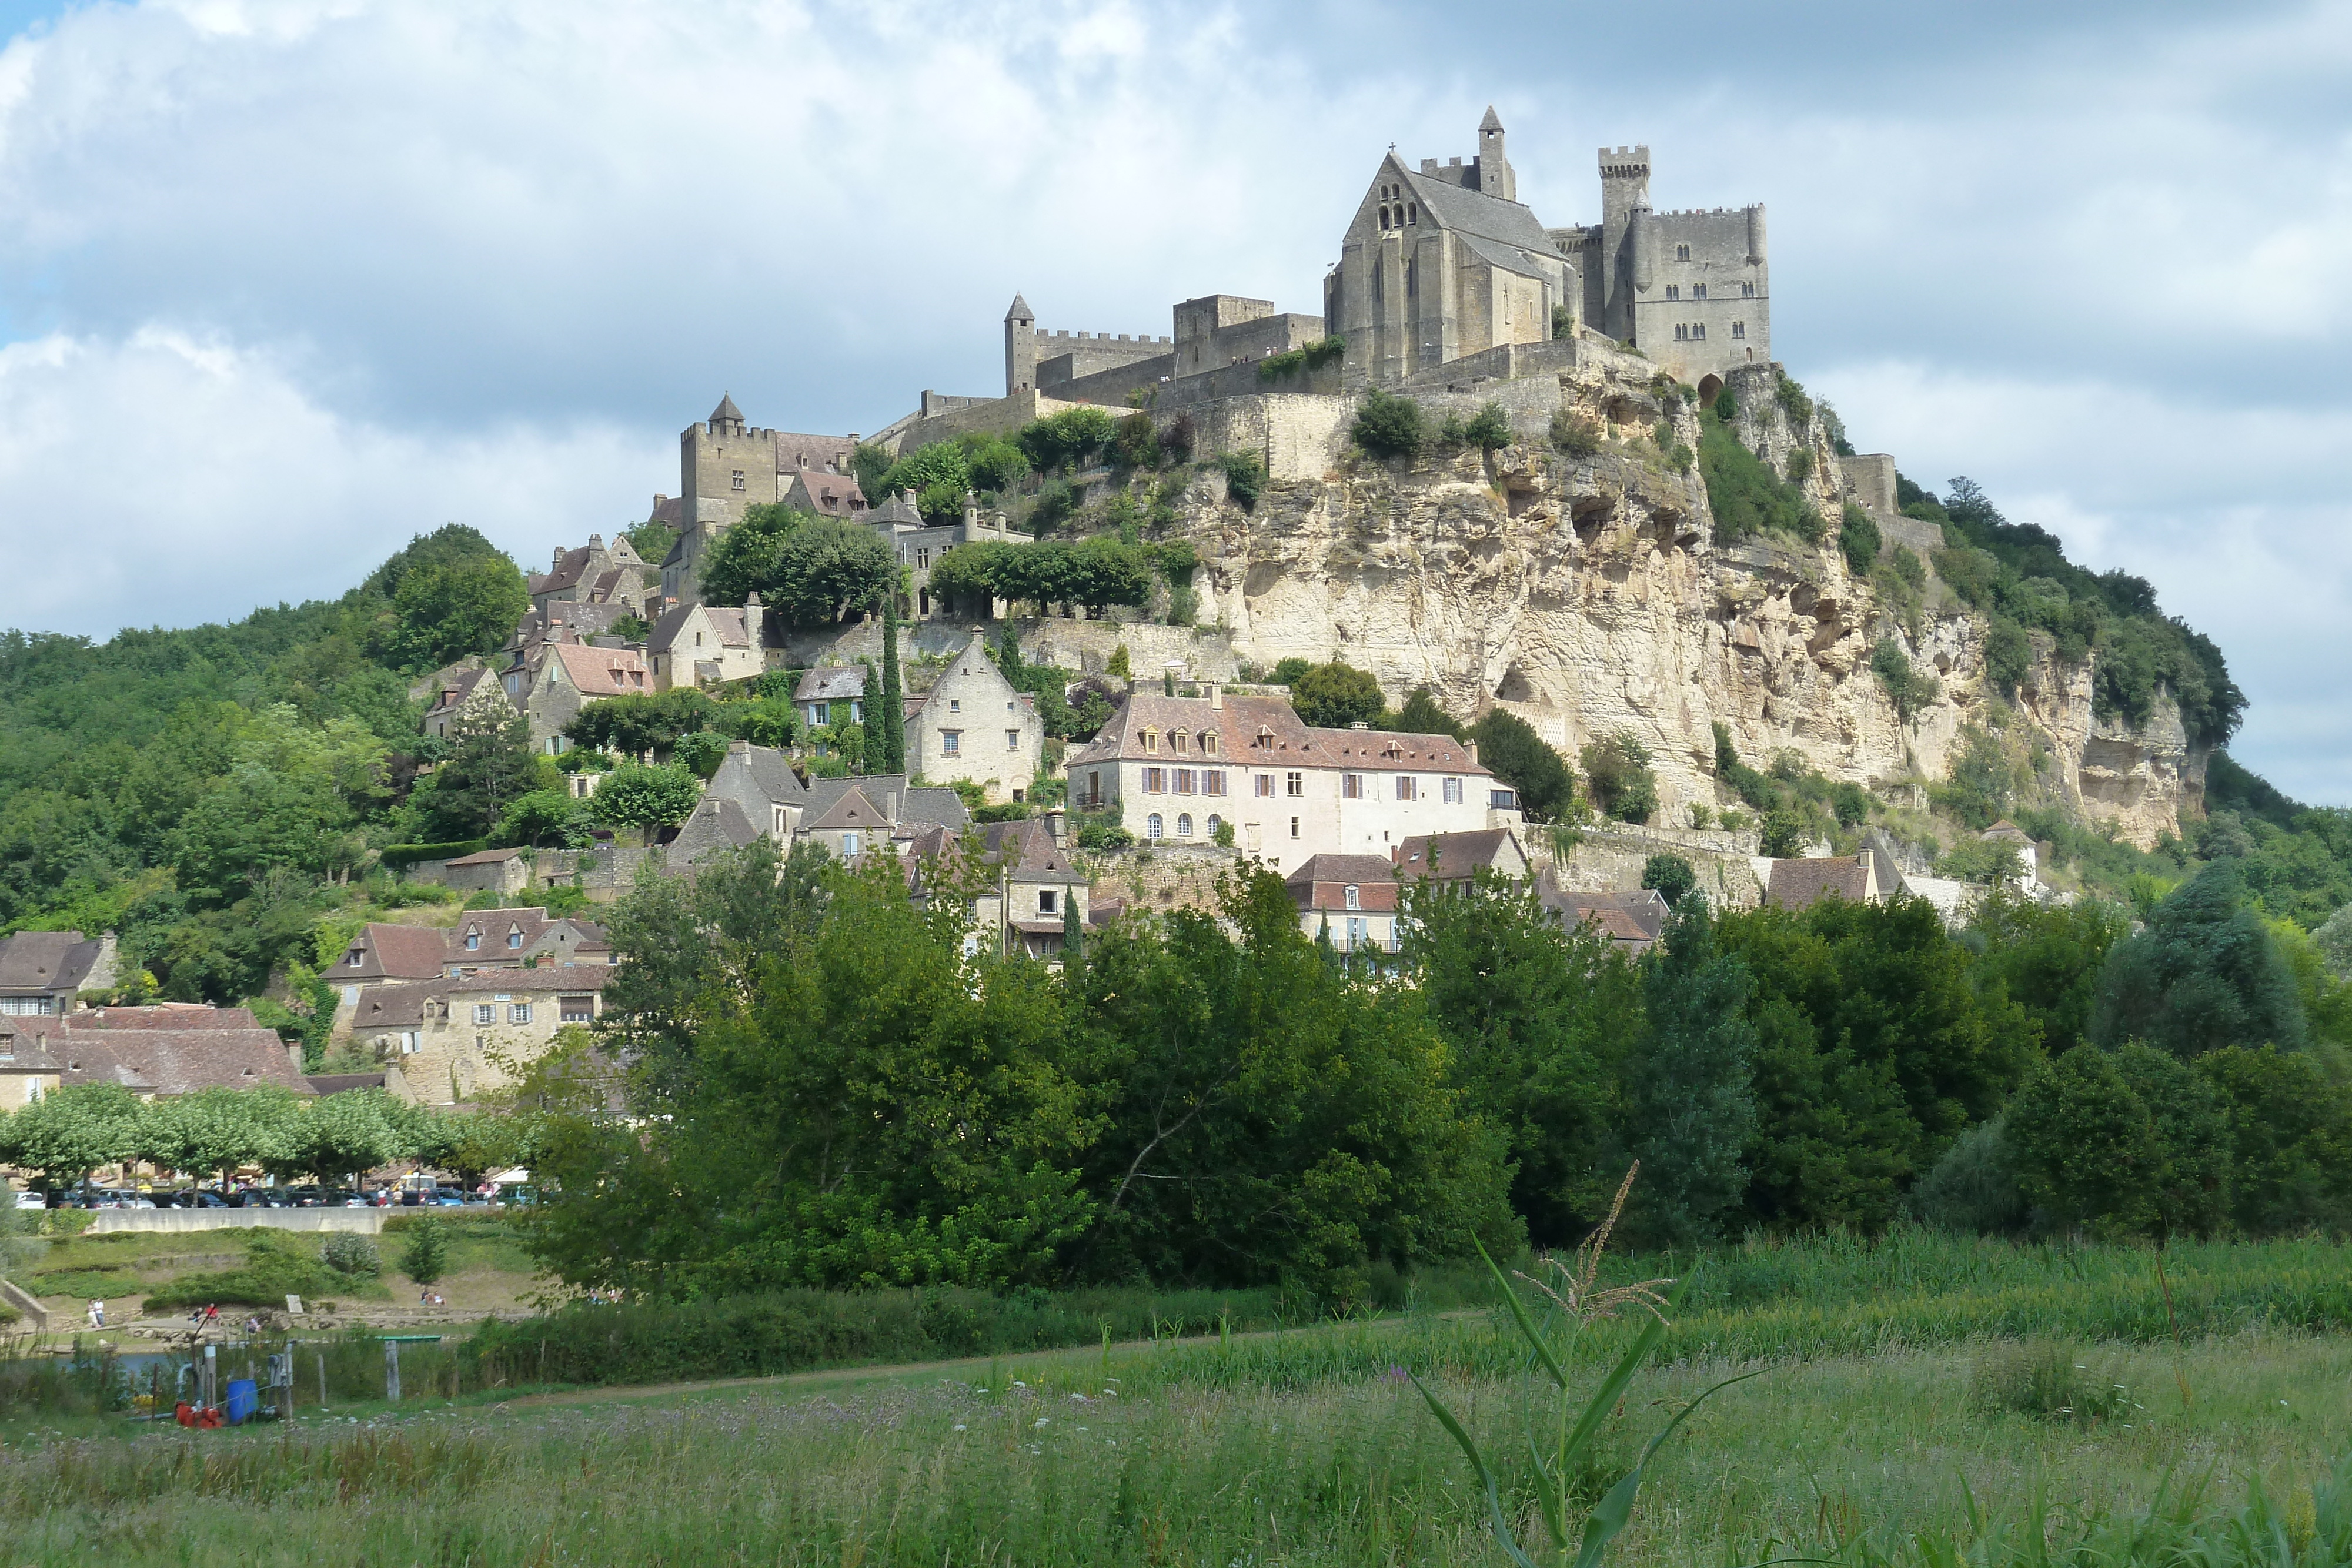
x: 1456, y: 858
x: 919, y: 545
x: 1037, y: 887
x: 1632, y: 920
x: 726, y: 465
x: 461, y: 690
x: 455, y: 1039
x: 702, y: 645
x: 160, y: 1052
x: 1174, y: 769
x: 1354, y: 898
x: 42, y: 971
x: 830, y: 695
x: 597, y: 574
x: 498, y: 870
x: 570, y: 677
x: 1799, y: 883
x: 975, y: 726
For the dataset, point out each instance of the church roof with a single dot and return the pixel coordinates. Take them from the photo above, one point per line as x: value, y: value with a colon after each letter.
x: 726, y: 410
x: 1477, y: 215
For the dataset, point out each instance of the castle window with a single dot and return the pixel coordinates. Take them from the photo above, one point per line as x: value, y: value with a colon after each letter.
x: 1698, y: 291
x: 1674, y: 291
x: 1681, y: 332
x: 1740, y: 328
x: 1681, y: 253
x: 1384, y: 217
x: 738, y: 479
x: 1412, y: 212
x: 1747, y: 291
x: 1699, y: 332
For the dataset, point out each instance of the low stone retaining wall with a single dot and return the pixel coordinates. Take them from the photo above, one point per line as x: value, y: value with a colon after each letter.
x: 355, y: 1221
x: 35, y: 1319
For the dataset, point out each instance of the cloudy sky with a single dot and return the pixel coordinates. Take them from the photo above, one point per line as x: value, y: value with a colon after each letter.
x: 282, y: 284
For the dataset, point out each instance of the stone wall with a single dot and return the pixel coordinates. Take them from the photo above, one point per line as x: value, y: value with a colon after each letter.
x: 1611, y: 859
x: 1157, y: 877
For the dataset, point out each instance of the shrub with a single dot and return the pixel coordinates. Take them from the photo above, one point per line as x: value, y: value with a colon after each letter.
x: 1746, y: 496
x: 1245, y: 476
x: 1512, y: 750
x: 1288, y: 671
x: 1389, y: 426
x: 272, y: 1272
x: 1859, y: 538
x: 1177, y: 438
x: 1104, y: 835
x: 1489, y: 430
x: 1221, y: 835
x: 1972, y: 1190
x: 1726, y: 407
x: 1783, y: 835
x: 1793, y: 400
x: 1981, y: 861
x: 426, y: 1254
x: 1617, y: 772
x: 352, y: 1255
x: 1670, y: 875
x: 1575, y: 435
x: 1801, y: 465
x: 1335, y: 696
x: 1906, y: 688
x: 1137, y: 444
x: 1563, y: 321
x: 2052, y: 1382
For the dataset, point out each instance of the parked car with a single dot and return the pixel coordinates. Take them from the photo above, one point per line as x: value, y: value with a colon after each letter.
x: 32, y: 1200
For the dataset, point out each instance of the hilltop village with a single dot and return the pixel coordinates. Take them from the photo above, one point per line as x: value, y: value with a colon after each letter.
x: 1521, y: 557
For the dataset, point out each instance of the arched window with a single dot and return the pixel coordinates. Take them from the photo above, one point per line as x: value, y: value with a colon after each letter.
x: 1215, y: 823
x: 1681, y: 253
x: 1412, y: 212
x: 1384, y: 217
x: 1184, y: 824
x: 1152, y: 826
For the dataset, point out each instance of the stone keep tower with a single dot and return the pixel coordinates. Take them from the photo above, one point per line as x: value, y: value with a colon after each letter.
x: 1019, y: 347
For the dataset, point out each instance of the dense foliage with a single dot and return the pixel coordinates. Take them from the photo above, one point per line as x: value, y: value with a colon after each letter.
x: 813, y: 570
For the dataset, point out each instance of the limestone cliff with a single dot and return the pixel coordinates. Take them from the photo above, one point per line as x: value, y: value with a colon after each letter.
x: 1590, y: 595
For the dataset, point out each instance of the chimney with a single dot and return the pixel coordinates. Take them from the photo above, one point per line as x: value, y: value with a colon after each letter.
x: 1472, y: 748
x: 559, y: 558
x: 1360, y: 724
x: 595, y: 541
x: 1216, y: 694
x: 1053, y: 825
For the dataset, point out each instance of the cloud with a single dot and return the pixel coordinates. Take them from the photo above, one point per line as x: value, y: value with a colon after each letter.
x: 166, y: 479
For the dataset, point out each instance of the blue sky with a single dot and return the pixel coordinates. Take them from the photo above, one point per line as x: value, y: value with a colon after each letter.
x: 282, y: 284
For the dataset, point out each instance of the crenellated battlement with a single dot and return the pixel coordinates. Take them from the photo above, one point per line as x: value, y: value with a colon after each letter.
x: 1098, y: 339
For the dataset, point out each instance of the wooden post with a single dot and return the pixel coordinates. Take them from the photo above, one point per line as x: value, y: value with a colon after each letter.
x: 323, y: 1380
x: 392, y: 1370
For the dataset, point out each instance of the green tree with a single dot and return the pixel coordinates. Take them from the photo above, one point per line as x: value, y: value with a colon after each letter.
x: 2289, y: 1135
x: 1509, y: 747
x: 2046, y: 958
x: 68, y: 1132
x: 1859, y: 539
x: 634, y: 795
x: 742, y: 560
x: 893, y: 716
x: 634, y: 725
x: 1670, y: 875
x: 1782, y: 835
x: 872, y: 465
x: 1421, y: 716
x: 2205, y: 974
x: 426, y: 1255
x: 1335, y: 696
x: 1617, y: 771
x: 545, y: 819
x: 1541, y: 1017
x: 2128, y: 1143
x: 1691, y: 1101
x: 213, y: 1130
x: 491, y: 766
x: 449, y: 594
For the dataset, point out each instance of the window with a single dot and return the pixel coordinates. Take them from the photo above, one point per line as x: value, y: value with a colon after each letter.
x: 951, y: 743
x: 848, y: 846
x: 1176, y: 741
x: 519, y: 1012
x: 473, y: 941
x: 1265, y: 739
x: 1674, y: 291
x: 514, y: 938
x: 1408, y: 787
x: 1155, y: 780
x: 1215, y: 822
x: 1012, y: 740
x: 1013, y: 707
x: 1152, y: 827
x: 856, y: 711
x: 1453, y: 791
x: 1699, y: 332
x: 484, y: 1012
x: 1747, y: 291
x: 1740, y: 328
x: 577, y: 1009
x: 1294, y: 784
x: 355, y: 958
x: 1151, y: 743
x: 1681, y: 332
x: 1212, y: 780
x: 738, y: 479
x: 1384, y: 217
x: 1183, y: 781
x: 1502, y: 799
x: 1681, y: 253
x: 1265, y: 786
x: 955, y: 704
x: 1184, y: 824
x: 1412, y: 212
x: 923, y: 559
x: 1294, y: 826
x: 1094, y: 787
x: 1045, y: 904
x: 1359, y: 928
x: 1698, y: 291
x: 1208, y: 743
x: 1351, y: 786
x: 1355, y: 897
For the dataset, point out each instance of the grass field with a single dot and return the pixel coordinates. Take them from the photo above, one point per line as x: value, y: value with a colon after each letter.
x: 1926, y: 1402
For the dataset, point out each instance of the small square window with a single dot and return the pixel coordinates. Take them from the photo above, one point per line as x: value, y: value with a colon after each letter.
x: 738, y: 479
x: 951, y: 743
x: 1045, y: 901
x: 955, y: 704
x: 519, y: 1012
x: 1012, y: 740
x: 485, y: 1013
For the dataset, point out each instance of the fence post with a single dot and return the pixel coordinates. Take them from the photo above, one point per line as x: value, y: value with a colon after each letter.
x: 323, y: 1380
x: 392, y: 1370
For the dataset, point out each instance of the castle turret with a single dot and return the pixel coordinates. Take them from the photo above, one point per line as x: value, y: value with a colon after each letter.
x: 1624, y: 187
x: 1494, y: 176
x: 726, y: 418
x: 1019, y: 347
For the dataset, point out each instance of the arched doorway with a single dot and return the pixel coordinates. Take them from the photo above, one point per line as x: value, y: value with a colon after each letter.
x: 1709, y: 387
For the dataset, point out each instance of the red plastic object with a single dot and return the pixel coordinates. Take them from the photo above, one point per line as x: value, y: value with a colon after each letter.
x: 208, y: 1420
x: 185, y: 1414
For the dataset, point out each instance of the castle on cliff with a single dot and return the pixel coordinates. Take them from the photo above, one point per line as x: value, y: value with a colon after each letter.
x: 1441, y: 263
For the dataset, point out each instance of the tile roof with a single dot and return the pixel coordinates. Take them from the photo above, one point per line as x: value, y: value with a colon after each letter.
x: 1032, y: 854
x: 1254, y: 731
x: 1458, y: 854
x: 851, y: 811
x: 166, y: 1015
x: 602, y: 672
x: 181, y: 1061
x: 751, y: 775
x: 718, y: 824
x: 54, y: 962
x: 394, y: 952
x: 935, y: 807
x: 1799, y: 883
x: 1320, y: 883
x: 486, y: 857
x: 341, y: 1082
x: 1639, y: 913
x: 833, y: 495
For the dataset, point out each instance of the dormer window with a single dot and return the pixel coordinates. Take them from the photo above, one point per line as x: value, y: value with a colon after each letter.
x: 1176, y: 741
x: 1264, y: 738
x: 1355, y: 898
x: 1208, y: 743
x: 473, y: 941
x: 1150, y: 739
x: 514, y: 936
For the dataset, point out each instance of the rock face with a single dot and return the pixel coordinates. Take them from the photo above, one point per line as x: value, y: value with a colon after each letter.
x: 1590, y: 595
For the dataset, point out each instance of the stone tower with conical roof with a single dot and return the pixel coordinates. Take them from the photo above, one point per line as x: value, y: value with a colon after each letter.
x: 1019, y: 347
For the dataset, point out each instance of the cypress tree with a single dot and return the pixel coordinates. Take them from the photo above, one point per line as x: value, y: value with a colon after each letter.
x: 893, y: 728
x: 1072, y: 952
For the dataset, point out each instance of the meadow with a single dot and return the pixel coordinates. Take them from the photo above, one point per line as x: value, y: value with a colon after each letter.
x: 1922, y: 1402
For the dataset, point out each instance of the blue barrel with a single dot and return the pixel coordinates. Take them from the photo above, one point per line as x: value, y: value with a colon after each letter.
x: 243, y: 1401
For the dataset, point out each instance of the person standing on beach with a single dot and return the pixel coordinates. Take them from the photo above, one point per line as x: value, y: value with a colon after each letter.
x: 98, y: 1315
